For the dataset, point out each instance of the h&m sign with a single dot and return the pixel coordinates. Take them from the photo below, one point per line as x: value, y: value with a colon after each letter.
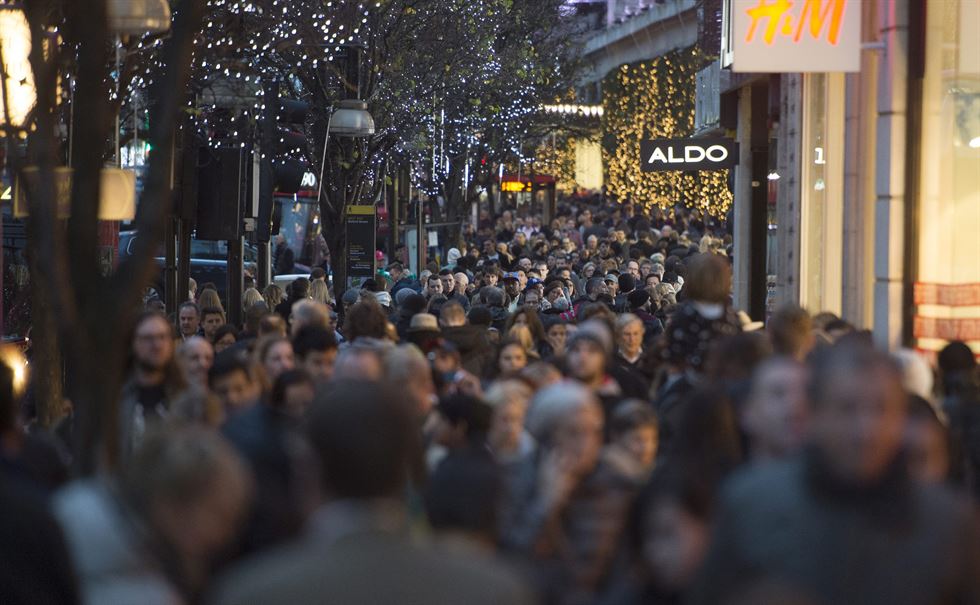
x: 790, y: 36
x: 688, y: 154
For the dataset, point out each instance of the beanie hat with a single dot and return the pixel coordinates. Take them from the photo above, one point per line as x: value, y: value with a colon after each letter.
x: 595, y: 331
x: 637, y: 298
x: 402, y: 294
x: 351, y: 296
x: 480, y: 316
x: 413, y: 303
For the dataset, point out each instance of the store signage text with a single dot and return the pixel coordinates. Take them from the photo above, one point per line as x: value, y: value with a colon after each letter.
x: 688, y: 154
x: 777, y: 36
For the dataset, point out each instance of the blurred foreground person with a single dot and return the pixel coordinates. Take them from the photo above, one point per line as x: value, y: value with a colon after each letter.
x: 196, y: 356
x: 150, y: 536
x: 357, y: 548
x: 774, y: 413
x: 561, y: 511
x: 668, y: 539
x: 154, y: 381
x: 843, y: 522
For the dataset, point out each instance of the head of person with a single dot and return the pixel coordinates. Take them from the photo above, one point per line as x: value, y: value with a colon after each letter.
x: 212, y: 318
x: 318, y: 274
x: 556, y: 333
x: 461, y: 420
x: 250, y: 297
x: 566, y: 419
x: 366, y: 439
x: 299, y: 289
x: 292, y: 393
x: 452, y: 315
x: 406, y: 366
x: 433, y: 286
x: 596, y: 287
x: 926, y: 443
x: 509, y: 401
x: 774, y: 414
x: 189, y: 318
x: 635, y: 430
x: 274, y: 355
x: 224, y: 337
x: 629, y: 334
x: 272, y: 295
x: 319, y: 291
x: 396, y: 271
x: 209, y: 298
x: 626, y: 283
x: 190, y: 486
x: 462, y: 282
x: 362, y: 360
x: 588, y: 351
x: 153, y: 343
x: 462, y: 495
x: 196, y: 356
x: 272, y: 324
x: 791, y: 332
x: 511, y: 357
x: 671, y: 529
x: 366, y: 319
x: 858, y: 411
x: 315, y: 349
x: 708, y: 278
x: 232, y: 381
x: 448, y: 281
x: 308, y: 313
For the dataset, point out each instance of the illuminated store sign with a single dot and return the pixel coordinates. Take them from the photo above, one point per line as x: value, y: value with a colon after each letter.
x: 786, y: 36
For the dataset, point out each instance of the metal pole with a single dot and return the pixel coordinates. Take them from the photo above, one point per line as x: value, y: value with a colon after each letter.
x: 264, y: 276
x: 235, y: 280
x: 183, y: 258
x: 420, y: 234
x: 170, y: 267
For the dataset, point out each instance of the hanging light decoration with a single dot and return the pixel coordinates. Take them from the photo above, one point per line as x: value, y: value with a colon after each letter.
x: 138, y: 17
x: 18, y: 94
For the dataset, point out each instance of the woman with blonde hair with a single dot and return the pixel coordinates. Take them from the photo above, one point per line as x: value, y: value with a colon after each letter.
x: 210, y: 298
x: 319, y: 292
x: 273, y: 296
x: 250, y: 297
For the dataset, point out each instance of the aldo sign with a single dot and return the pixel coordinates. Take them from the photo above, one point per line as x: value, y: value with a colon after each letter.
x: 688, y: 154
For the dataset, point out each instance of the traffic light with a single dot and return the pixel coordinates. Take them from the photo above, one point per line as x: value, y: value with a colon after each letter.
x: 280, y: 135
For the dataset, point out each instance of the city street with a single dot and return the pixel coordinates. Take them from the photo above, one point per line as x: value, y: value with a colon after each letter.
x: 463, y: 302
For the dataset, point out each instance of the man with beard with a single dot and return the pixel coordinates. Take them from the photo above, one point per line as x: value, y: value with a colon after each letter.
x: 154, y: 379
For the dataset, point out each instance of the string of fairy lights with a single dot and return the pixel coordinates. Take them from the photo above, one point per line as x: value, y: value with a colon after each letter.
x: 648, y: 100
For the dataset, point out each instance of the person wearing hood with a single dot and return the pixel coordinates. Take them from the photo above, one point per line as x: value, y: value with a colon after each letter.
x: 452, y: 257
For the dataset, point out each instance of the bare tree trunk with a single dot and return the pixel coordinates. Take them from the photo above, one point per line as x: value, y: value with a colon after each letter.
x: 94, y: 313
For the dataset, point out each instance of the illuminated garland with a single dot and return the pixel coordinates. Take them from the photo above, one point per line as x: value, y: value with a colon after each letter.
x: 648, y: 100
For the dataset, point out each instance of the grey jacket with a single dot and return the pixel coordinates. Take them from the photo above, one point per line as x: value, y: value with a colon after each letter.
x: 358, y: 553
x: 113, y: 566
x: 789, y: 524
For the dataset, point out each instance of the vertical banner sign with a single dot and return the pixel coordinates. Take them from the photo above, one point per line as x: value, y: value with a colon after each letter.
x: 787, y: 36
x: 361, y: 234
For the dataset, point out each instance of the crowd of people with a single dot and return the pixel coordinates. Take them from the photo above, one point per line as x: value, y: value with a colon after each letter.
x: 565, y: 413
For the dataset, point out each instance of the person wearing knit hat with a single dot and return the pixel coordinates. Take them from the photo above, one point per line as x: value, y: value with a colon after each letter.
x: 402, y: 295
x: 452, y: 257
x: 383, y: 298
x: 411, y: 304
